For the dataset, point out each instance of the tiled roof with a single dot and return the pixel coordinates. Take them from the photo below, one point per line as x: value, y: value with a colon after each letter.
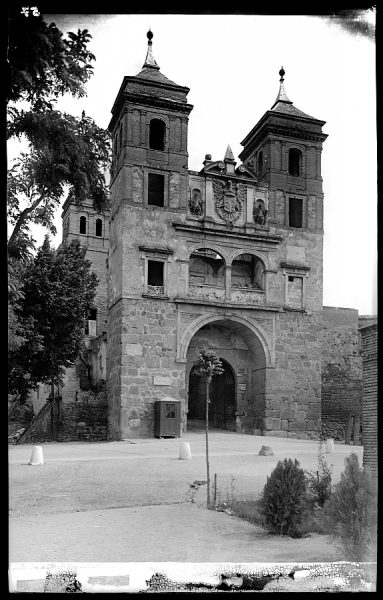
x: 288, y: 108
x: 155, y: 76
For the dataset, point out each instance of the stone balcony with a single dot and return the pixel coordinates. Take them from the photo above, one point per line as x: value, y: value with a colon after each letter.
x: 206, y: 292
x: 247, y: 296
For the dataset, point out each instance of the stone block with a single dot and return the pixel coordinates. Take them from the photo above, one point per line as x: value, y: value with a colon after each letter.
x: 297, y: 426
x: 277, y: 433
x: 161, y: 380
x: 272, y: 423
x: 285, y: 424
x: 134, y: 350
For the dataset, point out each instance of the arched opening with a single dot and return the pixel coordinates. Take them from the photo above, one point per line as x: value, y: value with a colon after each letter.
x: 157, y: 134
x: 238, y: 395
x: 98, y: 227
x: 247, y: 271
x: 206, y: 267
x: 295, y: 159
x: 222, y: 399
x: 82, y: 224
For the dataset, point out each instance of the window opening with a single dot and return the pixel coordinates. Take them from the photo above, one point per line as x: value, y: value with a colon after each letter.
x: 170, y: 411
x: 206, y: 267
x: 155, y: 273
x: 90, y: 327
x: 99, y: 227
x: 295, y: 212
x: 156, y: 186
x: 157, y: 135
x: 247, y: 271
x: 82, y: 224
x: 294, y: 162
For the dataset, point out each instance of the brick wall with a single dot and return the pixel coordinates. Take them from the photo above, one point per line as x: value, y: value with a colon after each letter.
x: 341, y: 370
x: 369, y: 335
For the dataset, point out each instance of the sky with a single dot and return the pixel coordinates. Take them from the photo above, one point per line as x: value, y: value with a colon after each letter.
x: 231, y: 64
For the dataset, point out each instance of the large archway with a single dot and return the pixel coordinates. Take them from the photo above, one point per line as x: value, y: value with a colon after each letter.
x: 222, y: 395
x: 238, y: 398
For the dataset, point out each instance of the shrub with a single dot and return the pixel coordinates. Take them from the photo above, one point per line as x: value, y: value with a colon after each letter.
x: 351, y: 512
x: 319, y: 481
x: 283, y: 500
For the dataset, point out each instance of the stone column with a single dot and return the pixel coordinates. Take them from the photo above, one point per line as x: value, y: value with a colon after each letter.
x: 228, y: 283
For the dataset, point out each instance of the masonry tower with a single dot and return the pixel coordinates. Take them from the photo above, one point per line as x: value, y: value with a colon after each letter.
x: 229, y: 257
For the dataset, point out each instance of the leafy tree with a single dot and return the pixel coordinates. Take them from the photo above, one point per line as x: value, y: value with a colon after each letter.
x: 208, y: 365
x: 43, y: 65
x: 58, y: 292
x: 351, y: 512
x: 63, y: 150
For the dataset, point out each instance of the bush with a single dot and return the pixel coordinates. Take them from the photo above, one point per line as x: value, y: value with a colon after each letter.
x: 284, y: 498
x: 319, y: 481
x: 351, y: 512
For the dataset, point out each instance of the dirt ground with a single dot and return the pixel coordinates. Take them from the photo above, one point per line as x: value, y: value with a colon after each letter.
x: 118, y: 501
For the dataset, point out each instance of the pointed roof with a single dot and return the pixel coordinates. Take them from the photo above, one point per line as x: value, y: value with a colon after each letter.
x: 229, y: 154
x: 282, y: 103
x: 150, y: 61
x: 150, y: 69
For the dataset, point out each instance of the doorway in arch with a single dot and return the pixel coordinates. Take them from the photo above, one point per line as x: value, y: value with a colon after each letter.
x: 222, y: 405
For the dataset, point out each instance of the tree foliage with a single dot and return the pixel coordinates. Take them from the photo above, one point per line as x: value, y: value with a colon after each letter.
x: 58, y: 292
x: 43, y: 65
x: 351, y: 512
x: 283, y: 501
x: 319, y: 481
x: 207, y: 364
x: 64, y: 150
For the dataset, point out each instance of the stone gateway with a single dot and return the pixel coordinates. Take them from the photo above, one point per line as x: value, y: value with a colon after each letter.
x: 229, y: 257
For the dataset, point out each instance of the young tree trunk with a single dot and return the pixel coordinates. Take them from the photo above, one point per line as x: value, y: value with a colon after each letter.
x: 207, y: 443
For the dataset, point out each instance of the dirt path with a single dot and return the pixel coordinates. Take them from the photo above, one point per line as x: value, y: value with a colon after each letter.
x: 111, y: 502
x: 176, y: 532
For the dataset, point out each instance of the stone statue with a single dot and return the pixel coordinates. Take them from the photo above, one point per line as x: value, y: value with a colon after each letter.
x: 260, y: 213
x: 195, y: 203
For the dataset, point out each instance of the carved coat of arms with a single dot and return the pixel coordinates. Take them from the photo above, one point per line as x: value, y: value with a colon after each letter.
x: 228, y: 202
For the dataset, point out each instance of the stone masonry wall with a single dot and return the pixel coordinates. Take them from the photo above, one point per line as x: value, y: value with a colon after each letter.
x: 369, y: 335
x: 83, y: 410
x: 341, y: 370
x: 293, y: 387
x: 146, y: 353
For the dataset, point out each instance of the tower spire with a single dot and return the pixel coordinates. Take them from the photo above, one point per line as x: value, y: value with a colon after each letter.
x: 150, y: 61
x: 282, y: 96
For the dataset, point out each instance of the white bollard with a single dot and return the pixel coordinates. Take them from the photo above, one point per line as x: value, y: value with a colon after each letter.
x: 330, y: 446
x: 37, y: 456
x: 185, y: 453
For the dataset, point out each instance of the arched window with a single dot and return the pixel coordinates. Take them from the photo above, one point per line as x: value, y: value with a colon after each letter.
x: 295, y: 160
x: 99, y: 227
x: 82, y: 224
x: 157, y: 135
x: 260, y: 163
x: 206, y: 267
x: 247, y: 272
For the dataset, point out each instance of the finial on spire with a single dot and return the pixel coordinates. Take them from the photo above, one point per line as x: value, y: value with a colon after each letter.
x: 229, y: 153
x: 282, y: 96
x: 150, y: 60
